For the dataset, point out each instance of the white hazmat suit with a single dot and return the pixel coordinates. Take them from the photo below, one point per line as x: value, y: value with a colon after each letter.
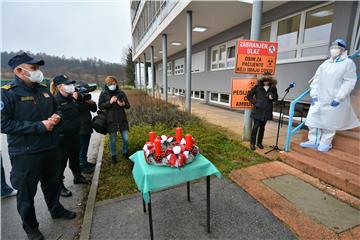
x: 333, y: 80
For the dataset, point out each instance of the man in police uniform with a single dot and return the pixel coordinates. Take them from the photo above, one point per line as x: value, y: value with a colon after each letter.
x: 29, y: 118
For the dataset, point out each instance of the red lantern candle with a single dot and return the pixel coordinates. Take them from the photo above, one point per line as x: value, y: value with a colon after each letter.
x: 189, y: 141
x: 178, y: 134
x: 157, y: 144
x: 152, y: 136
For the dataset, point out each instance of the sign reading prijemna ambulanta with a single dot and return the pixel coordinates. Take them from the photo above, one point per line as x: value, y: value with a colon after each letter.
x: 240, y: 87
x: 256, y: 57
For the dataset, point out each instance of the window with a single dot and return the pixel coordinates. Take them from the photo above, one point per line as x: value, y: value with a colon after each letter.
x: 304, y: 35
x: 317, y: 31
x: 220, y: 98
x: 223, y: 56
x: 287, y: 37
x: 224, y: 98
x: 179, y: 66
x: 198, y: 62
x: 214, y: 97
x: 198, y: 95
x: 265, y: 34
x: 230, y: 53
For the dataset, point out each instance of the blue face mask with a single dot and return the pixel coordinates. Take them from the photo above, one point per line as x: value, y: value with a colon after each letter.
x: 112, y: 87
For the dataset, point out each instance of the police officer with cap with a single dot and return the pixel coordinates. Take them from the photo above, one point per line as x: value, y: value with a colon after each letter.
x: 29, y: 117
x: 68, y: 102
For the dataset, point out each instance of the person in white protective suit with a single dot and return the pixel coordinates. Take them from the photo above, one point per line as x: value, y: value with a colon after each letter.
x: 330, y: 90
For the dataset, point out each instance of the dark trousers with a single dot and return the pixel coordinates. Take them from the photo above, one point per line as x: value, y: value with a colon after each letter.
x: 84, y: 146
x: 258, y: 131
x: 27, y: 171
x: 70, y: 149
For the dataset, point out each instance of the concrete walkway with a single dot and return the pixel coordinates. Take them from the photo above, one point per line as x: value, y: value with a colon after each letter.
x: 234, y: 215
x: 11, y: 227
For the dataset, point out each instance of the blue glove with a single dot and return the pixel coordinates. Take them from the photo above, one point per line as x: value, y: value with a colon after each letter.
x: 314, y: 100
x: 334, y: 103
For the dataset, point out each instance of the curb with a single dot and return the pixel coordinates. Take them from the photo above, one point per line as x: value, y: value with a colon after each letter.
x: 90, y: 204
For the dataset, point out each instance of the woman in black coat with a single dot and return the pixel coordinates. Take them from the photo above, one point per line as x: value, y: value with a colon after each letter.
x: 68, y: 102
x: 262, y: 97
x: 114, y: 102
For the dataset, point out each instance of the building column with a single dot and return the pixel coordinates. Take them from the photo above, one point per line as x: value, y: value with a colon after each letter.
x: 139, y: 73
x: 188, y: 60
x: 145, y: 74
x: 164, y: 62
x: 254, y: 35
x: 152, y: 71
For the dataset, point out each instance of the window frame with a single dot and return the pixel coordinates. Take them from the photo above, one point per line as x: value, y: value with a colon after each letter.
x: 181, y: 69
x: 218, y: 98
x: 203, y: 56
x: 300, y: 45
x: 228, y: 44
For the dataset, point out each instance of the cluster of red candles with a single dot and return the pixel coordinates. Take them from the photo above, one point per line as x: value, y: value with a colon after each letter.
x: 178, y: 137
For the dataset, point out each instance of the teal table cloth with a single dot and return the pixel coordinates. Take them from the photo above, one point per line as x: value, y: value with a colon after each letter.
x: 150, y: 178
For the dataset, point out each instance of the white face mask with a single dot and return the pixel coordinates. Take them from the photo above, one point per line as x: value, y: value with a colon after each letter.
x: 334, y: 52
x: 69, y: 88
x: 35, y: 76
x: 112, y: 87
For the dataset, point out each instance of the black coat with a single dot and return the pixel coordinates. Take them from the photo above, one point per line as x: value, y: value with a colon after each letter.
x: 85, y: 117
x: 70, y: 119
x: 259, y: 97
x: 22, y: 110
x: 115, y: 115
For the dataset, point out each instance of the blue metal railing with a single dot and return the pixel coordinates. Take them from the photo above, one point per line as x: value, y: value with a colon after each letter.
x: 290, y: 131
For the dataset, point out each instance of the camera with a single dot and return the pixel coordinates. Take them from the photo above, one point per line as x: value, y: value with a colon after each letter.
x: 84, y: 89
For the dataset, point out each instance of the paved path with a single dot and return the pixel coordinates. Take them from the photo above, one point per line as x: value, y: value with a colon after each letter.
x: 235, y: 215
x: 11, y: 227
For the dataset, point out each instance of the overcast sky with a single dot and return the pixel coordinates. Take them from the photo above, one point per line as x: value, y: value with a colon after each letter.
x: 72, y: 28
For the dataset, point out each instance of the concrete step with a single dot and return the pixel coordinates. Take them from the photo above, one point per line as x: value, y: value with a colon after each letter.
x: 353, y: 133
x: 346, y: 144
x: 345, y: 161
x: 345, y: 141
x: 337, y: 177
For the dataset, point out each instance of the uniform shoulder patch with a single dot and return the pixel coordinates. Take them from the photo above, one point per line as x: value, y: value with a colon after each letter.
x: 7, y: 87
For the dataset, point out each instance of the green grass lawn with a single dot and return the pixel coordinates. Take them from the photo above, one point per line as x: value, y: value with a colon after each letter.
x: 148, y: 114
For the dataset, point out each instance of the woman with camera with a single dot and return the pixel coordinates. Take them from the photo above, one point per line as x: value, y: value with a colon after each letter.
x: 114, y: 102
x: 262, y: 97
x: 68, y: 102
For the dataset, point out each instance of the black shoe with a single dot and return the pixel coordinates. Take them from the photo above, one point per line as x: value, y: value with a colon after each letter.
x: 35, y: 234
x: 87, y: 169
x: 65, y: 192
x: 80, y: 179
x: 64, y: 214
x: 252, y: 147
x: 113, y: 160
x: 260, y: 145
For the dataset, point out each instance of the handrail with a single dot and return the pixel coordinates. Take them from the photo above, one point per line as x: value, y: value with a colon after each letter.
x: 290, y: 131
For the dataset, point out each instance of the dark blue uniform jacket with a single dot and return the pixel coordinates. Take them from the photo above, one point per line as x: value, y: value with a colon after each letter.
x: 22, y: 110
x: 70, y: 110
